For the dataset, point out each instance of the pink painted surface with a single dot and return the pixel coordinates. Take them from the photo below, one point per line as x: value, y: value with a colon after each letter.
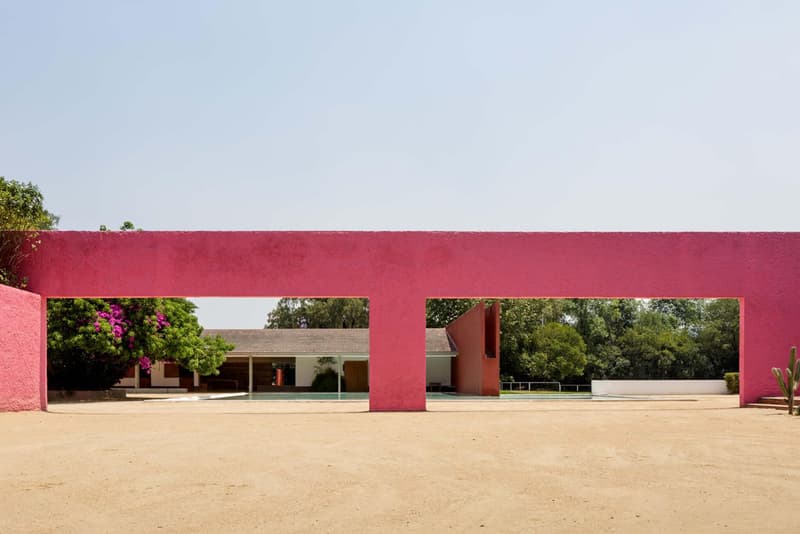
x: 22, y: 376
x: 467, y: 332
x: 397, y: 353
x: 491, y: 363
x: 398, y: 270
x: 476, y: 335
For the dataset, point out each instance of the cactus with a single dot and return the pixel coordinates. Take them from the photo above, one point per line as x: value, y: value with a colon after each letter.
x: 789, y: 384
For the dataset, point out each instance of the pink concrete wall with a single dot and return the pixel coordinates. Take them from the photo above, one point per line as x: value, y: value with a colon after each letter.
x: 490, y: 384
x: 397, y: 353
x: 22, y: 369
x: 399, y: 270
x: 469, y: 336
x: 477, y: 334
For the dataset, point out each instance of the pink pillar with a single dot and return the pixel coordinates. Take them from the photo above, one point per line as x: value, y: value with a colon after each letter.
x: 23, y: 340
x: 397, y: 353
x: 769, y: 326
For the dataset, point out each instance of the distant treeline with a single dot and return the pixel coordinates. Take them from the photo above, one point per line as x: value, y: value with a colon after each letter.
x: 576, y: 340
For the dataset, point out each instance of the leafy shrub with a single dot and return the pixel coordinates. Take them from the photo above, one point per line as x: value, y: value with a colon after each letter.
x: 732, y: 382
x: 326, y: 380
x: 92, y: 342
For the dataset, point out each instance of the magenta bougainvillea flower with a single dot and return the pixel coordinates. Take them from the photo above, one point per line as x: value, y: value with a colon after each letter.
x: 115, y: 318
x: 145, y: 364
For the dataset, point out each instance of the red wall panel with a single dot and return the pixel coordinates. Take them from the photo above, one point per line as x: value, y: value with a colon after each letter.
x: 467, y: 332
x: 476, y: 335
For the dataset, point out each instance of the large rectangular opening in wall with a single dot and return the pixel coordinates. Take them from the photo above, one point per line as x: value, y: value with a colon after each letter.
x: 304, y: 348
x: 462, y: 347
x: 560, y: 346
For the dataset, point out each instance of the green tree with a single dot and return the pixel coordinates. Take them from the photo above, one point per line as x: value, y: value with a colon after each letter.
x: 718, y: 336
x: 519, y: 319
x: 319, y: 313
x: 685, y: 313
x: 125, y: 226
x: 557, y: 352
x: 92, y: 342
x: 655, y: 348
x: 441, y: 312
x: 22, y: 213
x: 601, y: 323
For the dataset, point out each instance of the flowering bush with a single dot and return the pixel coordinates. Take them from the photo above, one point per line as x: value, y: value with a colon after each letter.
x: 145, y: 364
x: 92, y: 342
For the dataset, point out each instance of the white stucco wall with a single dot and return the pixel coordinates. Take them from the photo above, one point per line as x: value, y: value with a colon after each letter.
x: 304, y: 371
x: 437, y: 369
x: 157, y: 379
x: 659, y: 387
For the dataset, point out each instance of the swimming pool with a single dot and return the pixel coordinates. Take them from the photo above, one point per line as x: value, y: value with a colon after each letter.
x: 431, y: 396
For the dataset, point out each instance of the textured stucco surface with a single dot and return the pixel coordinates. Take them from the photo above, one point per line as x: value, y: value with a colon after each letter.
x: 397, y: 354
x: 21, y: 373
x: 475, y: 333
x: 399, y: 270
x: 491, y: 366
x: 469, y: 336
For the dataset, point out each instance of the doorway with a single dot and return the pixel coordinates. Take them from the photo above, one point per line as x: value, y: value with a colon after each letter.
x: 356, y: 376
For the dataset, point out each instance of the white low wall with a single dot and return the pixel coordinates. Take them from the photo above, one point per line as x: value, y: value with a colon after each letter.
x: 659, y: 387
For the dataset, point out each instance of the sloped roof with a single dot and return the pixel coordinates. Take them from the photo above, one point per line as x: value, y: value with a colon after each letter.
x: 350, y: 341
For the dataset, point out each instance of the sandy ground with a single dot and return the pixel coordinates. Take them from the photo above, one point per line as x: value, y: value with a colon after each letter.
x: 698, y: 465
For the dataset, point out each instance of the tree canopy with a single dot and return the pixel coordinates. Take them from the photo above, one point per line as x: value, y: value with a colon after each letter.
x: 22, y: 207
x: 22, y: 213
x: 555, y: 351
x: 319, y: 313
x: 623, y: 338
x: 441, y: 312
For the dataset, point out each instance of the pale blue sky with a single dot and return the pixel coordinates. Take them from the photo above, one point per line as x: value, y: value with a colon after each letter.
x: 493, y: 115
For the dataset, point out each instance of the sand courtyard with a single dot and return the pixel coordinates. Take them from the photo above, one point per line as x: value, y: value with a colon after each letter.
x: 683, y: 465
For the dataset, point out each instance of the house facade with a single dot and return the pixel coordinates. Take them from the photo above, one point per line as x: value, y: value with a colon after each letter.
x: 461, y: 358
